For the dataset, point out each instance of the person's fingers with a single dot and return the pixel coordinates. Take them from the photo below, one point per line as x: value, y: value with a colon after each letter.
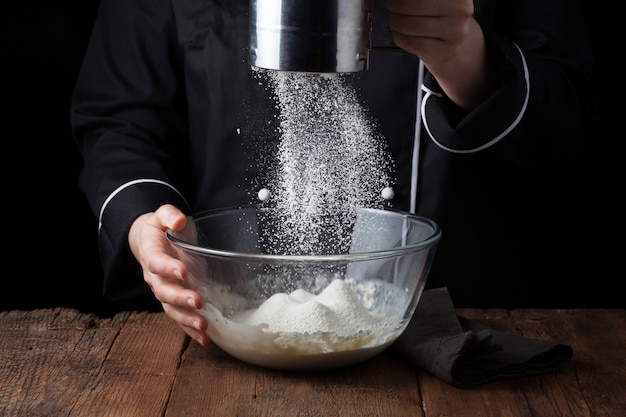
x: 445, y: 28
x: 433, y: 8
x: 436, y: 31
x: 201, y: 337
x: 171, y: 289
x: 170, y: 217
x: 159, y: 258
x: 149, y: 244
x: 165, y: 268
x: 193, y: 323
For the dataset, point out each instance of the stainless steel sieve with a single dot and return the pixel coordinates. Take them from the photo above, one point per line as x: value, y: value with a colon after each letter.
x: 310, y: 35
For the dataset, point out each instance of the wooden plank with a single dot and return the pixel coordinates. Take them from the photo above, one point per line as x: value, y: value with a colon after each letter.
x: 223, y: 386
x: 59, y: 362
x: 497, y: 399
x: 597, y: 381
x: 137, y: 376
x: 597, y: 367
x: 48, y: 358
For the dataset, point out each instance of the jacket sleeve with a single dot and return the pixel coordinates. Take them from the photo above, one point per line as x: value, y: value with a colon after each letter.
x: 544, y: 113
x: 128, y: 121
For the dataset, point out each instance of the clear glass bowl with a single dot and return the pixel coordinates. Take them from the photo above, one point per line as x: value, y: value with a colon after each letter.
x: 333, y: 294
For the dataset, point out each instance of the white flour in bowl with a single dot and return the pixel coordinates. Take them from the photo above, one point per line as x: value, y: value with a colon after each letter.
x: 344, y: 324
x: 336, y: 310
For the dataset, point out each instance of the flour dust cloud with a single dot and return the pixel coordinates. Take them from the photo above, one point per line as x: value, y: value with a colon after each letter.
x: 331, y: 158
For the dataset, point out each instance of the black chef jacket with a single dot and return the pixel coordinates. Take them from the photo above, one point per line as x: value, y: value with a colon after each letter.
x: 166, y: 109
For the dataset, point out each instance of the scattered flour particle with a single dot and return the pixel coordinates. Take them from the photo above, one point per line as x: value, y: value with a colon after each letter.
x: 387, y: 193
x: 264, y: 194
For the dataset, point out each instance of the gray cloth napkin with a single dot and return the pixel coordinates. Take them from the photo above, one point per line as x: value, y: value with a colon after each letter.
x: 464, y: 353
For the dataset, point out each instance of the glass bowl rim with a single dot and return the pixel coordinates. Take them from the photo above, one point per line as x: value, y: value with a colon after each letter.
x: 347, y: 257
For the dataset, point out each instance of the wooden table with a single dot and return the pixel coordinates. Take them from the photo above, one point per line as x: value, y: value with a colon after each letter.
x: 60, y: 362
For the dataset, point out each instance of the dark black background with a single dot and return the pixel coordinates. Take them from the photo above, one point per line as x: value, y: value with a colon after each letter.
x: 51, y: 258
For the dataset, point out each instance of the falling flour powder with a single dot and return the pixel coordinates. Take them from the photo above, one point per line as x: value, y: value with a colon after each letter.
x: 330, y: 157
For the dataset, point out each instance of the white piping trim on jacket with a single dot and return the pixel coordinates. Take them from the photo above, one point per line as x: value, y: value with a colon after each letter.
x: 497, y: 138
x: 416, y: 139
x: 126, y: 185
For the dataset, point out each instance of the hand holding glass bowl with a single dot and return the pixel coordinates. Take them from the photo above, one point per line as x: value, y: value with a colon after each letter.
x: 311, y: 309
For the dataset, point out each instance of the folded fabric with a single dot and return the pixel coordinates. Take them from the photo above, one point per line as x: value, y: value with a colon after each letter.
x: 464, y: 353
